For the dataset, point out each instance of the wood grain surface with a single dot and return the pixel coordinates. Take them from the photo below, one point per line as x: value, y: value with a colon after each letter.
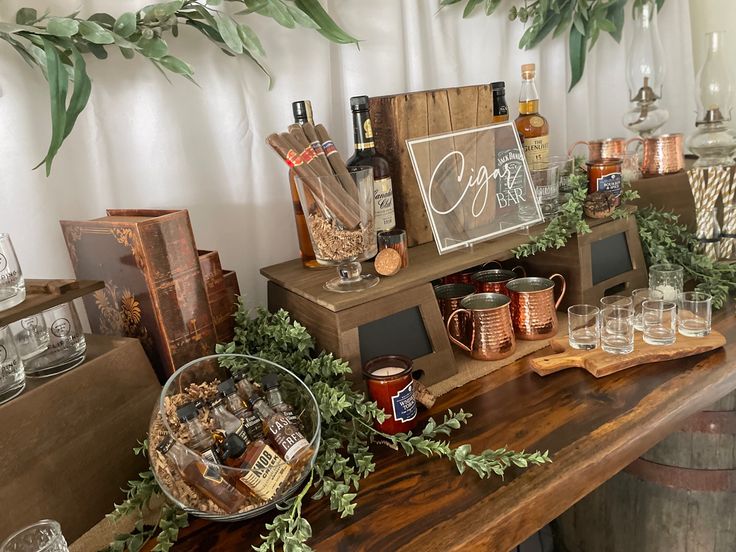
x: 592, y: 427
x: 600, y: 363
x: 44, y: 294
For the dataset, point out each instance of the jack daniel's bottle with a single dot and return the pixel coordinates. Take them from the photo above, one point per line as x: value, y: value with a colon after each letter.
x: 366, y: 155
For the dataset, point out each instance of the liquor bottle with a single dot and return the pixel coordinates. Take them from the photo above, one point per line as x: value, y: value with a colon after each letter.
x: 366, y: 155
x: 500, y: 107
x: 264, y: 471
x: 236, y: 405
x: 226, y: 420
x: 532, y: 127
x: 270, y: 386
x: 199, y: 438
x: 286, y: 436
x: 302, y: 111
x: 206, y: 478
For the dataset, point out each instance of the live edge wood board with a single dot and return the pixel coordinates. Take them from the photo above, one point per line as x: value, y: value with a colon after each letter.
x: 592, y: 427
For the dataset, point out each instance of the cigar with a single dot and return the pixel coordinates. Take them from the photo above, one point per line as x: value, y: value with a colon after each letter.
x: 344, y: 212
x: 336, y: 161
x: 299, y: 134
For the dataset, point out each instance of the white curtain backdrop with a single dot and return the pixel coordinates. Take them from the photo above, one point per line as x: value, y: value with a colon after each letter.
x: 145, y: 143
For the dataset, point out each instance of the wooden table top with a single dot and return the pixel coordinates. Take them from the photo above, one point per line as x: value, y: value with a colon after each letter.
x: 593, y: 428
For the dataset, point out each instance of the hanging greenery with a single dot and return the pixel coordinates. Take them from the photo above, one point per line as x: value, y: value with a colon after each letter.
x: 584, y: 20
x: 57, y: 45
x: 344, y: 456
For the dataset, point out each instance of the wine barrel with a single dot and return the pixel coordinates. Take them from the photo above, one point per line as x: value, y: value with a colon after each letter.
x: 679, y: 496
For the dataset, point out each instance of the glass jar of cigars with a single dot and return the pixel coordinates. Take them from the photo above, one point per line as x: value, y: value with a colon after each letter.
x: 232, y: 436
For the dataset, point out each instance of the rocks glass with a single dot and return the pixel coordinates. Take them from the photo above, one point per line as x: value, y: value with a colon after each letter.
x: 67, y: 346
x: 31, y: 336
x: 42, y: 536
x: 660, y: 322
x: 546, y: 181
x: 583, y: 328
x: 639, y: 296
x: 12, y: 378
x: 616, y: 301
x: 668, y: 279
x: 694, y: 314
x: 12, y: 285
x: 617, y: 330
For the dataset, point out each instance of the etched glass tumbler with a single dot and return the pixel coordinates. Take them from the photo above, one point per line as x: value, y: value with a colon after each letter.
x: 12, y: 285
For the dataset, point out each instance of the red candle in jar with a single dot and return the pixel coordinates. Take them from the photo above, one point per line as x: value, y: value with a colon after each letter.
x: 604, y: 175
x: 390, y: 384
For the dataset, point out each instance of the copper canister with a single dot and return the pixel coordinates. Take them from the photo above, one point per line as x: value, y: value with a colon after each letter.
x: 603, y: 149
x: 495, y: 280
x: 449, y: 297
x: 490, y: 330
x: 663, y: 154
x: 533, y: 306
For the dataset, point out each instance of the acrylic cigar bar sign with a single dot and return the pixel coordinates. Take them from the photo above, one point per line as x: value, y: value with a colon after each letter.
x: 475, y: 185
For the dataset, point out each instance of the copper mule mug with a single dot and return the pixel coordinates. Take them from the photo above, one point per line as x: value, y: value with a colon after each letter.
x: 490, y: 330
x: 604, y: 149
x: 495, y: 280
x: 533, y: 306
x: 449, y: 297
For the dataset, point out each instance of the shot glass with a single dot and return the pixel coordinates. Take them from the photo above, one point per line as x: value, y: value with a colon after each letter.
x: 583, y: 328
x: 667, y: 278
x: 660, y: 321
x: 616, y: 301
x: 12, y: 285
x: 31, y: 336
x: 67, y: 346
x: 395, y: 239
x: 638, y: 296
x: 694, y: 314
x: 617, y: 330
x: 42, y: 536
x: 12, y: 378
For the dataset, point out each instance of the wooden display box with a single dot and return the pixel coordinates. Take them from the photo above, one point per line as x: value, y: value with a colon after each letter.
x: 67, y: 440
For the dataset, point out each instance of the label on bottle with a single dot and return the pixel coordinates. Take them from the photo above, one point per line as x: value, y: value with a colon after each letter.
x: 610, y: 183
x: 404, y: 404
x: 510, y: 189
x: 536, y: 121
x: 536, y: 150
x: 287, y: 437
x: 209, y: 455
x: 253, y: 425
x: 267, y: 474
x: 368, y: 128
x: 383, y: 199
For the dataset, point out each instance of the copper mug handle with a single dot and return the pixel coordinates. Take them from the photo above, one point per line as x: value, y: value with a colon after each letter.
x: 490, y: 262
x: 564, y: 288
x: 576, y: 144
x: 630, y: 140
x: 452, y: 338
x: 523, y: 270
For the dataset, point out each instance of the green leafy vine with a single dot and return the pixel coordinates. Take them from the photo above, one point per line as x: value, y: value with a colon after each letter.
x: 57, y: 45
x: 344, y: 457
x: 584, y: 20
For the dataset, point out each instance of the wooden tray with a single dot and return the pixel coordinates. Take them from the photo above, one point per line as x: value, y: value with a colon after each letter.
x: 44, y: 294
x: 599, y: 363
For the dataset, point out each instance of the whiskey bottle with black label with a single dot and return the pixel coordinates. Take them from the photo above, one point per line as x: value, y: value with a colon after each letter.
x: 366, y: 155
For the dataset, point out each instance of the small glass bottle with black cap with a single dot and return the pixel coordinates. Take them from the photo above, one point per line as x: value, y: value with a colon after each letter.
x: 289, y: 441
x: 272, y: 393
x: 199, y: 438
x: 253, y: 424
x: 226, y: 420
x: 263, y: 473
x: 204, y: 477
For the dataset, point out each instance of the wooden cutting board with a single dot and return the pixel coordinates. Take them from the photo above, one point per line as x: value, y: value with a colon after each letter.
x: 599, y: 363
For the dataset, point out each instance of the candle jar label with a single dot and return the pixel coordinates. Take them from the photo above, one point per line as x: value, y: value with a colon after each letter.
x: 610, y: 183
x: 404, y: 404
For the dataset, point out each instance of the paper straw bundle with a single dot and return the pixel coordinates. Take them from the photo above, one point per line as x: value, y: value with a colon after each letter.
x: 728, y: 228
x: 705, y: 185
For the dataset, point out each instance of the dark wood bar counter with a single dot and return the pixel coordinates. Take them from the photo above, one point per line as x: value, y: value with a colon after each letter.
x: 592, y: 428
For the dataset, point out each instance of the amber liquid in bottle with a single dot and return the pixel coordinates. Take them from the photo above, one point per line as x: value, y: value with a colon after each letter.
x: 500, y: 107
x: 265, y: 473
x: 302, y: 114
x: 289, y: 441
x: 532, y: 126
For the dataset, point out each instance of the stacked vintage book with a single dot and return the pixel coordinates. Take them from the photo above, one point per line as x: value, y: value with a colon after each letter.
x: 158, y: 287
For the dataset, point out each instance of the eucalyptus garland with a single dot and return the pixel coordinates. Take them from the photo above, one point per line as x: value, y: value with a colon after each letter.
x: 584, y: 20
x: 344, y: 457
x: 57, y: 44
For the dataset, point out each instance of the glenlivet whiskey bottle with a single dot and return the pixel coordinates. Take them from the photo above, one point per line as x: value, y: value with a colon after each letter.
x: 532, y: 127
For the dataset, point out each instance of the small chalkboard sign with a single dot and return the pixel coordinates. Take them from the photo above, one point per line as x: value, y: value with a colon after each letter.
x: 402, y: 333
x: 610, y: 257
